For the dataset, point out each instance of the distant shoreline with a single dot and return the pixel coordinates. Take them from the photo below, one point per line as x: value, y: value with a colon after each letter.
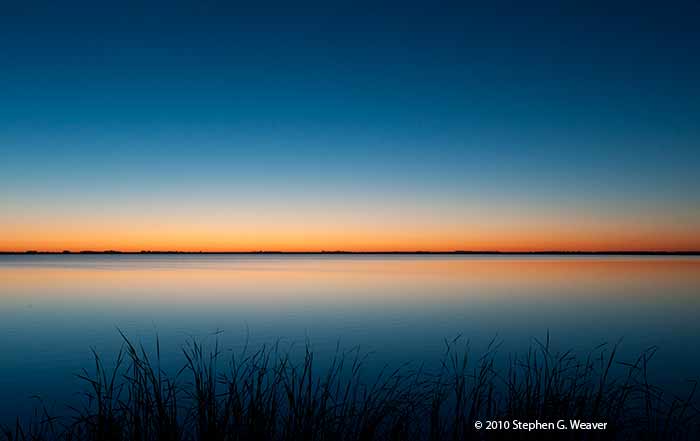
x: 457, y: 252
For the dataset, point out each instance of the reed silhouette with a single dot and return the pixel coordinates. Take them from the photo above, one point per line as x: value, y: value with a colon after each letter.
x: 269, y: 394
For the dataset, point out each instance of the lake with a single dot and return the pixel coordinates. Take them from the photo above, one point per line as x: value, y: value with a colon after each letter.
x: 399, y: 308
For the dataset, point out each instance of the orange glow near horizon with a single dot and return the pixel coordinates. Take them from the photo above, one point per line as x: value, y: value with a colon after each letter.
x: 310, y: 222
x: 319, y: 237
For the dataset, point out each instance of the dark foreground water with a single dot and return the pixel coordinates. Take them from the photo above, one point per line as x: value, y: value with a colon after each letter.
x: 53, y: 309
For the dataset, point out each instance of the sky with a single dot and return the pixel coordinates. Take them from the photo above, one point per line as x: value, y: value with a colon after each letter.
x: 513, y: 126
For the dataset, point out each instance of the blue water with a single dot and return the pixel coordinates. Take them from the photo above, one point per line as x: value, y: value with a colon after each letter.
x: 53, y: 309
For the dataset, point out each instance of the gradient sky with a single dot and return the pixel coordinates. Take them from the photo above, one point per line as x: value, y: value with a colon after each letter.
x: 347, y: 125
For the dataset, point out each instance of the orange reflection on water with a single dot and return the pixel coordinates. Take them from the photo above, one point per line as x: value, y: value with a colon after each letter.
x: 201, y: 280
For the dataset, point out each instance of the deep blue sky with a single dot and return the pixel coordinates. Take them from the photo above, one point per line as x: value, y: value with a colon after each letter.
x: 457, y: 125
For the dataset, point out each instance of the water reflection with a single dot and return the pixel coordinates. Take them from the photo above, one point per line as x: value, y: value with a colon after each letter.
x: 53, y: 308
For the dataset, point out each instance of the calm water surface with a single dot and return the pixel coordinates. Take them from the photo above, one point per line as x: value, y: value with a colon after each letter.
x: 53, y: 309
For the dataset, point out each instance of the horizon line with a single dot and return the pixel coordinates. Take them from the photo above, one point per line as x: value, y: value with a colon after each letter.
x: 415, y: 252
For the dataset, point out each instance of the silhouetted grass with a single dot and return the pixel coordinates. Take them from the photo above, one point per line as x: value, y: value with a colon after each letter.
x: 267, y: 394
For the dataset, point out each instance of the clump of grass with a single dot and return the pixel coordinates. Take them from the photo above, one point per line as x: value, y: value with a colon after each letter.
x: 268, y: 394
